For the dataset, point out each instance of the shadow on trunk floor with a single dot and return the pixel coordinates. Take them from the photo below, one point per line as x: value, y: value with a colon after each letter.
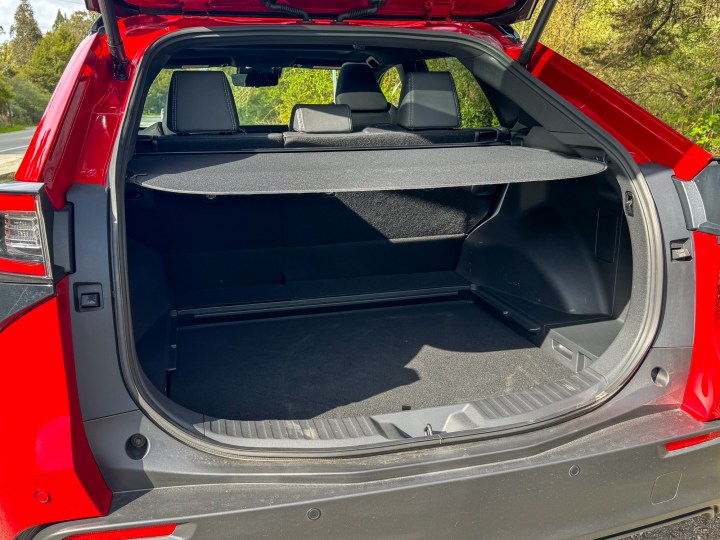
x: 354, y: 363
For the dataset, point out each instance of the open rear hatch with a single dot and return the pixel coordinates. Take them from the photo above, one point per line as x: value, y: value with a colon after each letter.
x: 494, y: 11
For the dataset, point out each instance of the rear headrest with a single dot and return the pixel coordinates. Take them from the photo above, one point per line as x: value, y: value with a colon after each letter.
x: 358, y: 89
x: 429, y: 101
x: 321, y: 119
x: 200, y: 102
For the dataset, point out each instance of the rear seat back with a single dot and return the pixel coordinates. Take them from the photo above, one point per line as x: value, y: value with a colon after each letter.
x: 318, y: 126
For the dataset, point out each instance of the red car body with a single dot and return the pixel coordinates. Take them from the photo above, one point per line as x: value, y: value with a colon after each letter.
x: 47, y: 469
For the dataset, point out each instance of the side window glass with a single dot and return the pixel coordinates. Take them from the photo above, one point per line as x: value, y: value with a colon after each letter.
x: 390, y: 84
x: 474, y: 106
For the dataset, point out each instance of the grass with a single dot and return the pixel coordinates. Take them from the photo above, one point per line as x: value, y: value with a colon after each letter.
x: 10, y: 129
x: 9, y: 177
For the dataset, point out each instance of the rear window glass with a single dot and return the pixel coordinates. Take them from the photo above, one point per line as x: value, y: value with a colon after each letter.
x: 255, y: 106
x: 272, y: 106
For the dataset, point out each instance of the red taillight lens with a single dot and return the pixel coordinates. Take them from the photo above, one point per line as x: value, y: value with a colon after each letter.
x: 126, y: 534
x: 23, y: 247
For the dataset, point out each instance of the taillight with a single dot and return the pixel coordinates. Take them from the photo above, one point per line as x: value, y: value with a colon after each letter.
x: 23, y: 239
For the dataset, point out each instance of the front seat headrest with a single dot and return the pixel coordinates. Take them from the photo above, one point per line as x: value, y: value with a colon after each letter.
x: 358, y: 88
x: 200, y: 102
x: 429, y: 100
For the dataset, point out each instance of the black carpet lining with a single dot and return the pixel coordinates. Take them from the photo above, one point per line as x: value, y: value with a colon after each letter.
x: 354, y: 363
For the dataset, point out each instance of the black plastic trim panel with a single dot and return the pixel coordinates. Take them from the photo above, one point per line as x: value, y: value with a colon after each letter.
x: 701, y: 200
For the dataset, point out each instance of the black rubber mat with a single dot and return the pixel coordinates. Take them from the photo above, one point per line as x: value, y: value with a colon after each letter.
x: 354, y: 363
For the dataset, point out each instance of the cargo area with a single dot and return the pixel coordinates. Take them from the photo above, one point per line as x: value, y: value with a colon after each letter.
x: 369, y: 303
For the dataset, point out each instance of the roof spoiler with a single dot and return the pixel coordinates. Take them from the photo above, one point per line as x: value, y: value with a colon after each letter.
x: 115, y: 43
x: 538, y: 28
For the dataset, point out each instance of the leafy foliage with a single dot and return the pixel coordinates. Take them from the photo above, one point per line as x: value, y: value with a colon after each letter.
x: 31, y: 64
x: 50, y: 58
x: 28, y: 103
x: 59, y: 20
x: 663, y: 54
x: 6, y: 95
x: 25, y: 33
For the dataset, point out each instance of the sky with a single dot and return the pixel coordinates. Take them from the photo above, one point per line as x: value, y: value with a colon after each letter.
x: 45, y: 11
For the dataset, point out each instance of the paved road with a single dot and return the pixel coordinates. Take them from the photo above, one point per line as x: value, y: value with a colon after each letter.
x: 699, y: 528
x: 12, y: 149
x: 16, y: 142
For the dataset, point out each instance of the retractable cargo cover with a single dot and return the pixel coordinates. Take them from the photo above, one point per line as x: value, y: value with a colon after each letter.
x: 353, y: 170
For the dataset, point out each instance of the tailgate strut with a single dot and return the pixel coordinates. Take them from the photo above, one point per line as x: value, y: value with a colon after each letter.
x: 538, y: 28
x: 115, y: 43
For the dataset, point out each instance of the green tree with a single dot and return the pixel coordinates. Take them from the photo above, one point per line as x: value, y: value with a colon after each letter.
x: 6, y: 95
x: 295, y: 86
x: 7, y: 64
x: 79, y: 24
x: 53, y: 52
x: 28, y: 103
x: 663, y: 54
x: 157, y: 94
x: 24, y: 33
x: 49, y: 58
x: 59, y: 20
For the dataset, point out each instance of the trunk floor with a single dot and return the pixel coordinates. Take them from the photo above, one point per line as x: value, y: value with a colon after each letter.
x: 354, y: 363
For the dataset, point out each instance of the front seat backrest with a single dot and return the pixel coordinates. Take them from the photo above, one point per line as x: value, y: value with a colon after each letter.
x: 200, y: 102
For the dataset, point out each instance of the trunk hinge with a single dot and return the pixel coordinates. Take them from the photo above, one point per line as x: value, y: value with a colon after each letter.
x: 115, y: 43
x: 534, y: 38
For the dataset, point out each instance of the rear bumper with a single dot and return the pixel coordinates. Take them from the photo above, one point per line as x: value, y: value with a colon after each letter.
x: 608, y: 481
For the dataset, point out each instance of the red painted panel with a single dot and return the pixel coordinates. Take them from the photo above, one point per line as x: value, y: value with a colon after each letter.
x: 702, y: 395
x: 48, y: 472
x: 50, y: 140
